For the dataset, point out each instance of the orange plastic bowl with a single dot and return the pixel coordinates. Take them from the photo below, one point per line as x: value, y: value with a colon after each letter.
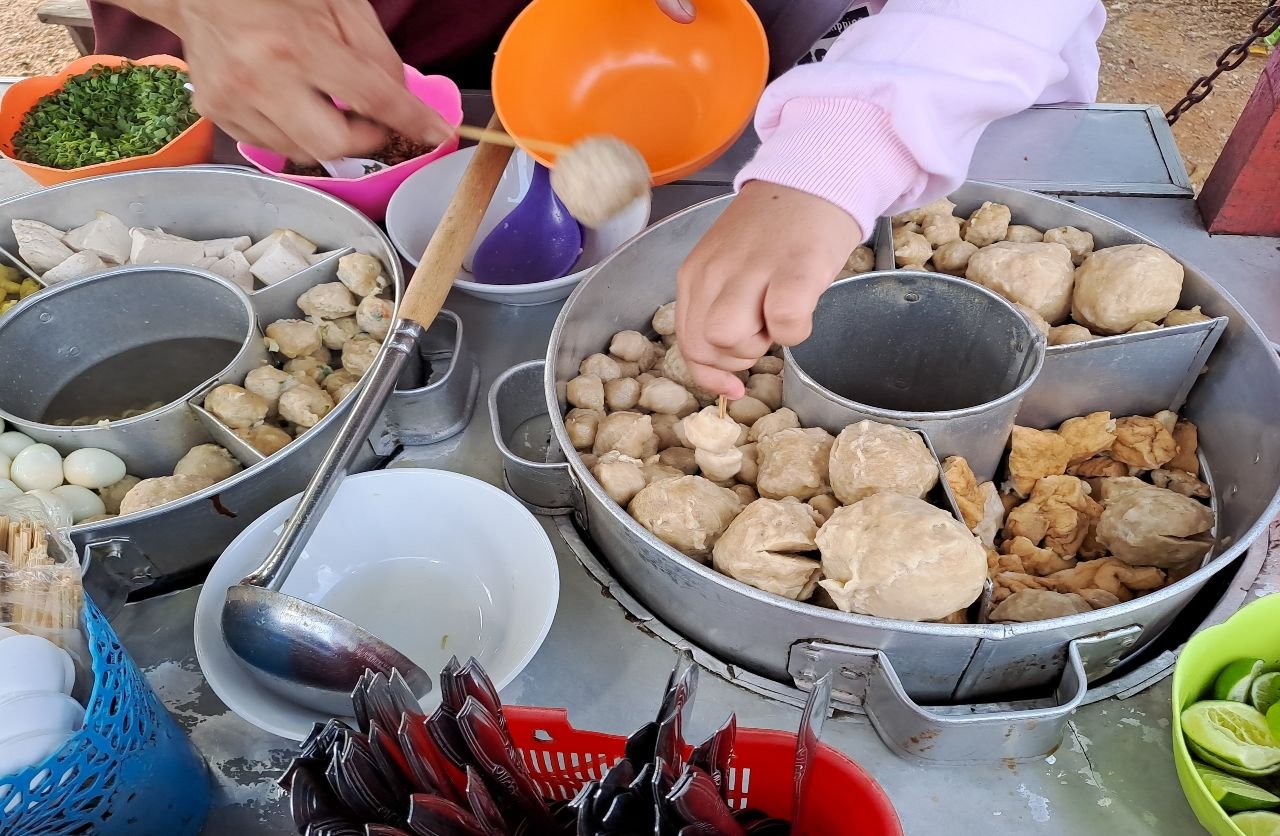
x: 192, y: 146
x: 680, y: 93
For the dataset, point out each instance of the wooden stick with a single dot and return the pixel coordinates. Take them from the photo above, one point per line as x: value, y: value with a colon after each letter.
x: 724, y: 407
x: 497, y: 137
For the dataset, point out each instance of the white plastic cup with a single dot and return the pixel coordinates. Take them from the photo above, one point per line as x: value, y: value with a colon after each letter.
x: 29, y: 749
x: 33, y: 664
x: 25, y: 714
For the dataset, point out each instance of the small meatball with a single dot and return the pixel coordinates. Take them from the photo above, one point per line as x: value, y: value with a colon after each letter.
x: 953, y: 258
x: 308, y: 370
x: 1039, y: 276
x: 622, y: 394
x: 1079, y: 242
x: 768, y: 365
x: 358, y: 354
x: 1179, y: 317
x: 720, y: 468
x: 629, y: 345
x: 749, y: 470
x: 794, y: 463
x: 114, y: 493
x: 766, y: 388
x: 293, y: 337
x: 628, y: 369
x: 267, y: 382
x: 602, y: 366
x: 1036, y: 319
x: 910, y: 249
x: 628, y: 433
x: 340, y: 384
x: 323, y: 356
x: 664, y: 320
x: 896, y: 556
x: 941, y: 206
x: 334, y: 333
x: 265, y: 438
x: 689, y: 514
x: 305, y: 405
x: 680, y: 458
x: 667, y: 397
x: 598, y: 177
x: 586, y: 392
x: 1118, y: 287
x: 653, y: 354
x: 706, y: 430
x: 1068, y: 334
x: 988, y: 224
x: 374, y: 316
x: 1187, y: 438
x: 783, y: 419
x: 1142, y: 327
x: 331, y: 300
x: 150, y: 493
x: 362, y: 274
x: 211, y: 460
x: 746, y: 494
x: 236, y: 407
x: 747, y: 410
x: 581, y: 425
x: 940, y: 229
x: 825, y: 504
x: 1021, y: 234
x: 1035, y: 454
x: 674, y: 368
x: 664, y: 426
x: 870, y: 458
x: 1144, y: 443
x: 622, y: 477
x: 765, y: 547
x: 861, y: 260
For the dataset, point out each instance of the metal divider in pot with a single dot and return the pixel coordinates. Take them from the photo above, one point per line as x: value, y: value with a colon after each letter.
x: 921, y: 350
x: 87, y: 361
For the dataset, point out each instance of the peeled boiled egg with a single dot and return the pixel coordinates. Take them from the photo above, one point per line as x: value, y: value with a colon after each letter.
x: 5, y: 461
x: 13, y: 442
x: 37, y: 468
x: 92, y: 468
x: 83, y: 502
x: 57, y: 506
x: 8, y: 489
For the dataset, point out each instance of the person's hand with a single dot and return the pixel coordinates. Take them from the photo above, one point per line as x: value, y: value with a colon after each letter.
x: 265, y: 72
x: 681, y: 11
x: 754, y: 280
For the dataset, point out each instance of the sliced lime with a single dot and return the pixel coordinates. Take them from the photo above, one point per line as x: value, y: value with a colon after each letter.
x: 1257, y: 823
x: 1265, y: 691
x: 1233, y: 794
x: 1234, y: 680
x: 1233, y: 733
x: 1218, y: 763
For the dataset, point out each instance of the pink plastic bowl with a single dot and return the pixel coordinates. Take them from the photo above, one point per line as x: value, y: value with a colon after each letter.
x: 371, y: 193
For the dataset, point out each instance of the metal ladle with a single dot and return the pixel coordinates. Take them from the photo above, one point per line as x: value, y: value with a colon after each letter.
x: 294, y: 648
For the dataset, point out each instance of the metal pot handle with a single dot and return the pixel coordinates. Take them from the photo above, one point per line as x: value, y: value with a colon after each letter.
x: 546, y: 488
x: 952, y: 734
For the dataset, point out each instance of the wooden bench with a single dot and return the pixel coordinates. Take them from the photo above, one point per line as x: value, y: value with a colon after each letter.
x: 73, y: 15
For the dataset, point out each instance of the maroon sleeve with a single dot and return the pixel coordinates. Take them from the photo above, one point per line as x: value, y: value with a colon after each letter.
x: 117, y: 32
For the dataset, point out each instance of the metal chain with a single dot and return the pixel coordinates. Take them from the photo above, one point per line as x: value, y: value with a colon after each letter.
x: 1233, y: 56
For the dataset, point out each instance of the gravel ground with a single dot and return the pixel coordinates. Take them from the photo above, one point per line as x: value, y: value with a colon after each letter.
x: 1150, y: 51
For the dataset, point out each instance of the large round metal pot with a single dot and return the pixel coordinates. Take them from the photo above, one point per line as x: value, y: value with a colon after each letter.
x: 206, y: 202
x: 1234, y: 406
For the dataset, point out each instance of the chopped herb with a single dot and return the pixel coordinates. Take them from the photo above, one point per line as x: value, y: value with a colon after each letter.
x: 106, y: 114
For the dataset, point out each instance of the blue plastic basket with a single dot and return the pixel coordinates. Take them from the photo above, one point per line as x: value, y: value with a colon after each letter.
x: 129, y: 770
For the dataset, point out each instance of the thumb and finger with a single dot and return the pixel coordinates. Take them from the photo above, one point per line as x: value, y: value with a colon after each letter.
x: 681, y: 11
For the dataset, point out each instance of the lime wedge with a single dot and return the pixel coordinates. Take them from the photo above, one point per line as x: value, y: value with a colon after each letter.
x: 1265, y: 691
x: 1234, y: 680
x: 1232, y: 732
x: 1257, y: 823
x: 1233, y: 794
x: 1218, y: 763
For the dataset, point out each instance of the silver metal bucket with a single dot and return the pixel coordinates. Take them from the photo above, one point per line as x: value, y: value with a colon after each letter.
x: 894, y: 669
x: 921, y: 350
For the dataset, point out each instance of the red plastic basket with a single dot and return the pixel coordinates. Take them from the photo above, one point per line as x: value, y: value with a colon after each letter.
x: 842, y: 799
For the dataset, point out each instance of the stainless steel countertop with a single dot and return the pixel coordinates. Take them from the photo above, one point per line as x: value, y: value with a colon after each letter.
x: 1114, y: 774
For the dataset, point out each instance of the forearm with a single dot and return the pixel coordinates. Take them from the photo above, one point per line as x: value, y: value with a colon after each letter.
x: 166, y: 13
x: 891, y: 117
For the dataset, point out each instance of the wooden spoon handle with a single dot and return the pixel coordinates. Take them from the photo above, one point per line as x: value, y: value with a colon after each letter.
x: 430, y: 283
x: 498, y: 137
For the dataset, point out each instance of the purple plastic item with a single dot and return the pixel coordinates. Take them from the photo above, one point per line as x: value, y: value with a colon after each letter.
x: 539, y: 241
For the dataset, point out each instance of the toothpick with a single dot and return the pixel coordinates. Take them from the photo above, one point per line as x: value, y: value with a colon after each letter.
x: 724, y: 407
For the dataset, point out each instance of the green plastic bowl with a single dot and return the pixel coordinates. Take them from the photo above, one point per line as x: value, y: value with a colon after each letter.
x: 1254, y: 632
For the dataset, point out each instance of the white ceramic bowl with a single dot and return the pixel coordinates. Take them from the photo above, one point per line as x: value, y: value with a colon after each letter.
x: 435, y: 563
x: 418, y: 205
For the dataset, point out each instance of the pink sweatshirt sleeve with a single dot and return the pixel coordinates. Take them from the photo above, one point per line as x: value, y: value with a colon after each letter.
x: 889, y: 120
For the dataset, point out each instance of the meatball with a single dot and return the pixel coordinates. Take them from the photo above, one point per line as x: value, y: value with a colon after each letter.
x: 331, y: 300
x: 236, y: 407
x: 374, y: 316
x: 870, y: 458
x: 689, y: 514
x: 1079, y: 242
x: 265, y: 438
x: 362, y: 274
x: 293, y: 337
x: 267, y: 382
x: 1118, y: 287
x: 305, y: 405
x: 210, y: 460
x: 1039, y: 276
x: 358, y: 354
x: 988, y: 224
